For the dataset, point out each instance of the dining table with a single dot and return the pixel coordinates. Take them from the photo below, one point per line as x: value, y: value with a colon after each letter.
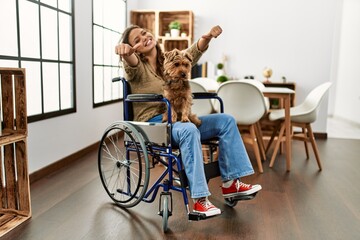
x: 283, y: 94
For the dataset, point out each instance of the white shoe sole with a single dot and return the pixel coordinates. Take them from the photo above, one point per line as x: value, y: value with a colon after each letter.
x: 253, y: 190
x: 210, y: 213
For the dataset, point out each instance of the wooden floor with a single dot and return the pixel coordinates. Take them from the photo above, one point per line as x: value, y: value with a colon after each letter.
x: 301, y: 204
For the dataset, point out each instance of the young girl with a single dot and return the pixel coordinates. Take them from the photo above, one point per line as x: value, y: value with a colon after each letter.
x: 143, y: 64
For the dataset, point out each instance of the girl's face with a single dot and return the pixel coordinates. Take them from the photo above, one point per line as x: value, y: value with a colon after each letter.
x: 142, y: 39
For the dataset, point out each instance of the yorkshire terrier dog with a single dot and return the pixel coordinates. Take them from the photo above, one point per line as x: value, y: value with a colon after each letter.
x: 177, y: 68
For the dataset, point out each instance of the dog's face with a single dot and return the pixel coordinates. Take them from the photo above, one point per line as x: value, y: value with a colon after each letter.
x: 177, y: 65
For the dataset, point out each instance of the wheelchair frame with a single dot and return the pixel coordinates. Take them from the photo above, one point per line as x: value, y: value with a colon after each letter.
x: 124, y: 165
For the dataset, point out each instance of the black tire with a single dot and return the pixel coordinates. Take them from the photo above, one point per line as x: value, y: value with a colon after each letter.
x: 165, y: 214
x: 123, y: 164
x: 230, y: 202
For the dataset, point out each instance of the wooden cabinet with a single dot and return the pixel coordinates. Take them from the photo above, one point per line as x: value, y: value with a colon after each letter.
x: 14, y: 178
x: 158, y: 23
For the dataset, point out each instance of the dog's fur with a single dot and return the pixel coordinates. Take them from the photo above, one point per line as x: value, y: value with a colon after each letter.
x: 177, y: 70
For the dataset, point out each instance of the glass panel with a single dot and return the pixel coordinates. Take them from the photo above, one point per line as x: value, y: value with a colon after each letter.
x: 49, y: 34
x: 116, y: 86
x: 107, y: 84
x: 66, y: 86
x: 112, y: 14
x: 51, y: 2
x: 9, y: 63
x: 65, y: 5
x: 65, y: 30
x: 98, y: 85
x: 98, y: 12
x: 8, y: 28
x: 121, y: 23
x: 114, y: 57
x: 33, y: 87
x: 108, y: 46
x: 98, y: 45
x: 51, y: 87
x: 29, y: 29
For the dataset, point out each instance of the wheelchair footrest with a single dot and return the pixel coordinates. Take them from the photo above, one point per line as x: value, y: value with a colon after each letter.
x: 241, y: 198
x: 194, y: 216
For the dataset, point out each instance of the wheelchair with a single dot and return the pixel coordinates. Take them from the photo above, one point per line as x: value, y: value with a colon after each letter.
x: 128, y: 150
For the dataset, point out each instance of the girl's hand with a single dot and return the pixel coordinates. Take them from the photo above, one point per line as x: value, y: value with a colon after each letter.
x: 125, y: 50
x: 126, y: 53
x: 214, y: 33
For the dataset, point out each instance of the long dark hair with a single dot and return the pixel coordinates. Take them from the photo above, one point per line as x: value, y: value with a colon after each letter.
x: 160, y: 55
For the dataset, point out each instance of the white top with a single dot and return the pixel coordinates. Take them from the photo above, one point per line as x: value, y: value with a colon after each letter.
x: 277, y: 90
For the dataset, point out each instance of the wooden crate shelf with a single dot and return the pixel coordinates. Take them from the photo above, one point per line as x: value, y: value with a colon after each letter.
x: 7, y: 138
x: 144, y: 19
x: 158, y: 22
x: 179, y: 43
x: 15, y: 207
x: 186, y: 19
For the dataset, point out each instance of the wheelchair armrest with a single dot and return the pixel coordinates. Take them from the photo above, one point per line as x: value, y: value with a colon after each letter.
x: 145, y: 97
x: 200, y: 95
x: 117, y: 79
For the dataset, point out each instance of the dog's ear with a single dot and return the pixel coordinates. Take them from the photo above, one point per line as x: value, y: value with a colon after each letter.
x: 170, y: 55
x: 188, y: 56
x: 167, y: 54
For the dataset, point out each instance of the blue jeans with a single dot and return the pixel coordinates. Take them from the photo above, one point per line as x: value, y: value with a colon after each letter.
x: 233, y: 159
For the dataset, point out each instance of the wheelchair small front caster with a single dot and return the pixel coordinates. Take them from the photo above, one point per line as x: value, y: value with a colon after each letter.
x: 165, y: 209
x: 232, y: 201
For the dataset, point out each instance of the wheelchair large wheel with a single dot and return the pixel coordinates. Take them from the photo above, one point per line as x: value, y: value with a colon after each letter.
x: 123, y: 164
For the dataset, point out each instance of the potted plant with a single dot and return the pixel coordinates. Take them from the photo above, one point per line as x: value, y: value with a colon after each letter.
x: 222, y: 79
x: 220, y: 69
x: 174, y: 27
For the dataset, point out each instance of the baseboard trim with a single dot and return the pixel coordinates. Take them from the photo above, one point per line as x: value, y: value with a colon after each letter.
x: 318, y: 135
x: 37, y: 175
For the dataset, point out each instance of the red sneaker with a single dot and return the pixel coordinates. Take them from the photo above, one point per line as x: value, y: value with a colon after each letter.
x: 238, y: 188
x: 203, y: 205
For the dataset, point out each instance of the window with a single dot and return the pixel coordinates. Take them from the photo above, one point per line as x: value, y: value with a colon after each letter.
x: 109, y: 21
x: 39, y: 37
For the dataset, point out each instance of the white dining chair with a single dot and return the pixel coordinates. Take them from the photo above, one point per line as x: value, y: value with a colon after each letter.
x: 302, y: 116
x: 200, y: 106
x: 211, y: 85
x: 244, y: 100
x: 261, y: 86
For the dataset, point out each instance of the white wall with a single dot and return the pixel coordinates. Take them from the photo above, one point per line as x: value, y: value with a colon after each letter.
x: 347, y: 101
x: 294, y: 38
x: 56, y: 138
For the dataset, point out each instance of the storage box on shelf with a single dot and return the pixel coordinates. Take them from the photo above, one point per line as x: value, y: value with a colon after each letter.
x: 14, y: 177
x: 158, y: 23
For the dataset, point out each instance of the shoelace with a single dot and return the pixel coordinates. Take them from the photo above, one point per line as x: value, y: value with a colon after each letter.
x: 205, y: 203
x: 238, y: 184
